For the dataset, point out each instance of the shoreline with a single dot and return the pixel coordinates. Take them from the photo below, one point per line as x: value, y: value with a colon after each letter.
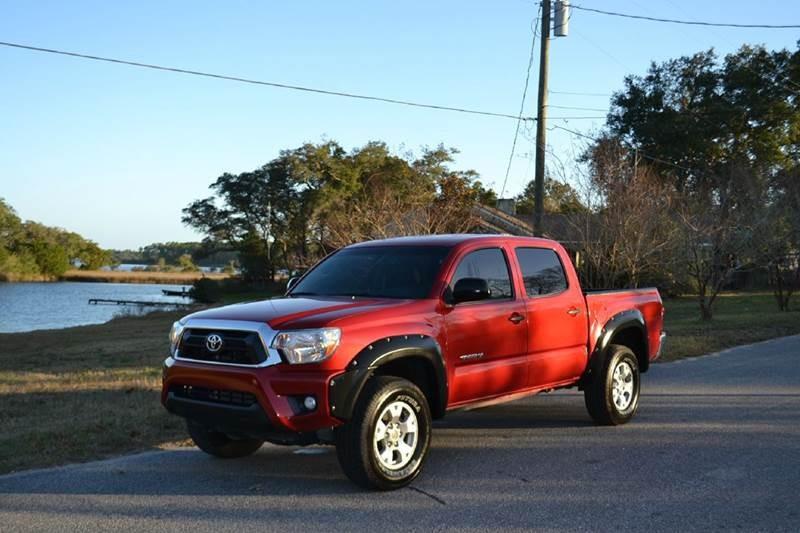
x: 102, y: 276
x: 122, y: 316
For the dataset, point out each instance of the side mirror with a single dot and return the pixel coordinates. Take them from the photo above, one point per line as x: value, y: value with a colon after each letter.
x: 471, y: 290
x: 291, y: 283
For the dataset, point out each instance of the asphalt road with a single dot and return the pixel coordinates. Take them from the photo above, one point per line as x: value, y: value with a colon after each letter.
x: 715, y: 445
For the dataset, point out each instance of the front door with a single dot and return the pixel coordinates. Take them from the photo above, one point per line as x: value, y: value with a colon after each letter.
x: 486, y: 339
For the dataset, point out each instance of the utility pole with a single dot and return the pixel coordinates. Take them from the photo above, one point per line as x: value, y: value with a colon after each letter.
x: 561, y: 30
x: 541, y: 118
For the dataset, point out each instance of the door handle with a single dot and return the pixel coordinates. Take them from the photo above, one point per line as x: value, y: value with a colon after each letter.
x: 516, y: 318
x: 573, y: 311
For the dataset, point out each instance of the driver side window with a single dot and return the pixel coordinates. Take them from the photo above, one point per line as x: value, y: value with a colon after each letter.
x: 489, y: 264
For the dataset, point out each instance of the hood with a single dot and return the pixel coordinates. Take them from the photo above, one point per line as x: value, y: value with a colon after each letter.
x: 281, y: 311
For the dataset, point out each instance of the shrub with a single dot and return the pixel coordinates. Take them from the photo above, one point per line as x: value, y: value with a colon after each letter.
x: 206, y: 290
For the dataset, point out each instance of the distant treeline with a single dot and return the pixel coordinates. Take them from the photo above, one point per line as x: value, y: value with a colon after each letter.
x: 176, y: 253
x: 30, y: 250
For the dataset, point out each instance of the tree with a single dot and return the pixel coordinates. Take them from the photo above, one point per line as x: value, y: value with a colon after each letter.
x: 395, y: 196
x: 780, y: 246
x: 10, y: 225
x: 719, y: 236
x: 186, y: 264
x: 627, y: 233
x: 695, y: 117
x: 719, y: 132
x: 559, y: 197
x: 33, y: 250
x: 247, y: 207
x: 318, y: 197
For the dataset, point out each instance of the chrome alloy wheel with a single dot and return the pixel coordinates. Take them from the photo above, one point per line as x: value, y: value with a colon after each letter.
x: 396, y: 435
x: 622, y: 386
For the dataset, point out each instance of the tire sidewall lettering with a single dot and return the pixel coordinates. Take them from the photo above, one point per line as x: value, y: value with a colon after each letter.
x: 419, y: 452
x: 615, y: 360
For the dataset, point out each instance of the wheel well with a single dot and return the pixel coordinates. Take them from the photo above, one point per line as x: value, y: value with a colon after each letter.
x: 634, y: 338
x: 420, y: 372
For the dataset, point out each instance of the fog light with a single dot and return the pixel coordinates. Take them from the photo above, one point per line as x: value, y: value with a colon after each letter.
x: 310, y: 403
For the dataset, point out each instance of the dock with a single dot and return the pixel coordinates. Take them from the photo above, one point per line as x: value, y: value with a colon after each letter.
x: 183, y: 292
x: 105, y: 301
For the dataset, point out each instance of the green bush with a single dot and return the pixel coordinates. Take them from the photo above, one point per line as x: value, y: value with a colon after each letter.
x: 206, y: 291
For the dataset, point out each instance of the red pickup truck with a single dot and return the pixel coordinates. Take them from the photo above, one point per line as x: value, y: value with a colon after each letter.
x: 381, y: 337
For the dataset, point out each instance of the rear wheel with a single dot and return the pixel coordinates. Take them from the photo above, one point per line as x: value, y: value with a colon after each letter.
x: 220, y: 445
x: 612, y: 397
x: 385, y: 443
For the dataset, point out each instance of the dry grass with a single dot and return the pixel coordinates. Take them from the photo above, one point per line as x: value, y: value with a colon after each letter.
x: 173, y: 278
x: 83, y: 393
x: 13, y: 277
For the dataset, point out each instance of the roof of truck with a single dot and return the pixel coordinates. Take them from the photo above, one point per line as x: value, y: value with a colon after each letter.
x: 447, y: 240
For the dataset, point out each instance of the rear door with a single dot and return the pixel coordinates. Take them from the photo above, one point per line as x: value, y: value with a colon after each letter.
x: 486, y: 340
x: 556, y: 316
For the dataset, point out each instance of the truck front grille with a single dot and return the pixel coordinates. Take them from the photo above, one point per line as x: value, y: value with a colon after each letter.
x: 237, y: 347
x: 226, y: 397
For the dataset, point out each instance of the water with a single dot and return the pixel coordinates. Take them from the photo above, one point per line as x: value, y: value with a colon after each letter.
x: 31, y: 306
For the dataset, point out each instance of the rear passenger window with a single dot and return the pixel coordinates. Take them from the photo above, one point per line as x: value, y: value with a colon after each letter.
x: 541, y: 271
x: 489, y: 264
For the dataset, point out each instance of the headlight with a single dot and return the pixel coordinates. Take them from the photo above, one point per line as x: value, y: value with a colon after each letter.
x: 307, y: 345
x: 175, y: 337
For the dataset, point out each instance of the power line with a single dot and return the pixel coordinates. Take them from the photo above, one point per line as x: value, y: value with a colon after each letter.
x: 267, y: 83
x: 640, y: 152
x: 522, y: 103
x: 689, y: 22
x: 745, y: 65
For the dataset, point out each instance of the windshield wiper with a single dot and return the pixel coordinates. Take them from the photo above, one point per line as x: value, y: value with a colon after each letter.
x: 301, y: 293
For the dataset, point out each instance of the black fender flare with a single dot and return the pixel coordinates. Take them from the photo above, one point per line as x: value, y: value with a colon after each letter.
x: 630, y: 319
x: 345, y: 388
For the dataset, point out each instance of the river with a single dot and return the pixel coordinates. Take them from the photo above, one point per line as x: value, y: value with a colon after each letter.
x: 32, y: 306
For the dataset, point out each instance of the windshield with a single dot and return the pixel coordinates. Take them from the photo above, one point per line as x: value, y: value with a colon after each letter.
x: 379, y: 272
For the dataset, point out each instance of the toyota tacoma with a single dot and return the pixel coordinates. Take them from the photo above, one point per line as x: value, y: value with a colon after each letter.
x: 382, y: 337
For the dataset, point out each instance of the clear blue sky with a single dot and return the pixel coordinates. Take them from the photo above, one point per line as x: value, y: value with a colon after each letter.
x: 115, y: 152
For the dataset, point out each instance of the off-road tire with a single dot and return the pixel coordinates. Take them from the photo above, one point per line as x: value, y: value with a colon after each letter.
x: 219, y: 444
x: 599, y: 393
x: 355, y: 447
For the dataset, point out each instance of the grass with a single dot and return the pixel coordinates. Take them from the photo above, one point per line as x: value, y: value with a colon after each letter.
x: 83, y: 393
x: 739, y: 318
x: 173, y: 278
x: 89, y: 392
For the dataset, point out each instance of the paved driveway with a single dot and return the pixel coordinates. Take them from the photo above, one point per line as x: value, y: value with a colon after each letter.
x: 716, y: 444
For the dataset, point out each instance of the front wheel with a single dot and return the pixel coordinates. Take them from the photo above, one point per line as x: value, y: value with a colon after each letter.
x: 385, y: 443
x: 612, y: 396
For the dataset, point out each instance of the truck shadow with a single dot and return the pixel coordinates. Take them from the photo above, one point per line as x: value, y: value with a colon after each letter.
x: 557, y: 411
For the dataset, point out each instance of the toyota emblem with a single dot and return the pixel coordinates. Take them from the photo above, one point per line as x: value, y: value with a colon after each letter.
x: 213, y: 343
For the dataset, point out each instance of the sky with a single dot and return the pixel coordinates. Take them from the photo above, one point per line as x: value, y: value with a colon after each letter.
x: 115, y: 152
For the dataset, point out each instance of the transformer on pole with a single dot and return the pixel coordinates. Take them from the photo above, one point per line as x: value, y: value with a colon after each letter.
x: 561, y: 19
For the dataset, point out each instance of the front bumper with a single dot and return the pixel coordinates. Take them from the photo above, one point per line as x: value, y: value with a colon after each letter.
x: 278, y: 410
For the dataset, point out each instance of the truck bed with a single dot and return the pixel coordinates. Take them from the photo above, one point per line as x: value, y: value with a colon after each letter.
x: 603, y: 305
